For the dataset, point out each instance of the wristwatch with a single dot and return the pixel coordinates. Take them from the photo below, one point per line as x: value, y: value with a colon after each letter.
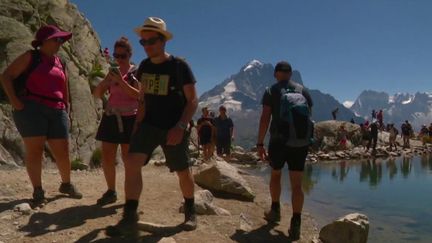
x: 182, y: 125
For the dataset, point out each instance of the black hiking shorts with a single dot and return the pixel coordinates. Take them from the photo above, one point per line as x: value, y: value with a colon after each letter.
x: 148, y: 137
x: 279, y: 154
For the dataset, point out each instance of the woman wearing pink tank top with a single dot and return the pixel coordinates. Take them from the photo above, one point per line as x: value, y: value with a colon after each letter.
x: 40, y: 110
x: 119, y: 116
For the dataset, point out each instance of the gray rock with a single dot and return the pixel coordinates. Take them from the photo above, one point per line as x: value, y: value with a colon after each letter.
x: 353, y: 228
x: 18, y: 22
x: 204, y: 205
x: 23, y: 208
x: 167, y: 240
x: 224, y: 179
x: 245, y: 223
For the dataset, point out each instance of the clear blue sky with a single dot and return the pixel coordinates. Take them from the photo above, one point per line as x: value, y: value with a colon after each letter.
x: 340, y: 46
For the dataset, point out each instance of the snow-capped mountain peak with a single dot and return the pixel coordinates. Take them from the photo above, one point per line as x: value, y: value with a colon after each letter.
x: 348, y: 103
x: 252, y: 64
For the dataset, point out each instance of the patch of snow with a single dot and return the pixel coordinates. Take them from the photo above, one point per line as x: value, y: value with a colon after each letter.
x: 229, y: 88
x: 252, y: 64
x: 410, y: 99
x: 348, y: 103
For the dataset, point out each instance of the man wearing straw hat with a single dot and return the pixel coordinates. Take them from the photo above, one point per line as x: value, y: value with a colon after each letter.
x: 167, y: 103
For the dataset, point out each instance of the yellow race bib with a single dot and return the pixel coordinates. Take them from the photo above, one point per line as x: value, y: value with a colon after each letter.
x: 155, y: 84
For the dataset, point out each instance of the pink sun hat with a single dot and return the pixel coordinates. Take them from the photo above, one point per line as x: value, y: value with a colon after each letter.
x: 48, y: 32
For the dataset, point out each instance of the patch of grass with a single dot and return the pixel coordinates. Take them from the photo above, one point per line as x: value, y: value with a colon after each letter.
x: 77, y: 164
x: 96, y: 159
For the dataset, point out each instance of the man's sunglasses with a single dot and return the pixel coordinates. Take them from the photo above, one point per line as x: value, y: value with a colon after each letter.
x: 120, y: 56
x: 150, y: 41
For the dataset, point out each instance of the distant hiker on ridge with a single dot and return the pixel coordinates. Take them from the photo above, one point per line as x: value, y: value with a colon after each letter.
x: 288, y: 106
x: 334, y: 113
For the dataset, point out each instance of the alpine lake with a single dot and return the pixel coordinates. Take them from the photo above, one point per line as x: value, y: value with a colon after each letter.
x: 395, y: 194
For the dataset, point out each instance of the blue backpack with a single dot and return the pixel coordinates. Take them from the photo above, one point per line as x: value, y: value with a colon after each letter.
x: 295, y: 124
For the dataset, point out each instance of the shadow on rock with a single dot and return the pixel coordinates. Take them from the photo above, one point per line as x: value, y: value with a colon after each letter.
x: 42, y: 223
x: 265, y: 233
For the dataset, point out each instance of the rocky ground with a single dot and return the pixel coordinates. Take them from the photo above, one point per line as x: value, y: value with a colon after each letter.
x: 71, y: 220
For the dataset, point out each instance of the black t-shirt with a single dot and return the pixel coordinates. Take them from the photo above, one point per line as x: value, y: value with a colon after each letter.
x: 205, y: 130
x: 272, y: 98
x: 223, y: 128
x: 164, y: 97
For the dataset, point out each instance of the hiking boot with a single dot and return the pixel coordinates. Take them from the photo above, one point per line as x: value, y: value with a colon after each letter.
x: 294, y: 230
x: 38, y: 197
x: 68, y: 188
x: 108, y: 197
x: 127, y: 226
x: 190, y: 222
x: 272, y: 216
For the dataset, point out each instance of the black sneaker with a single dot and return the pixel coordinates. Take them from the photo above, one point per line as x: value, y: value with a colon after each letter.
x: 68, y: 188
x: 190, y: 222
x: 38, y: 197
x: 294, y: 230
x: 127, y: 226
x: 108, y: 197
x: 272, y: 216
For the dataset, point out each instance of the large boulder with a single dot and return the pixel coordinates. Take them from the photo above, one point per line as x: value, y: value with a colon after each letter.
x: 224, y: 180
x: 353, y: 228
x: 19, y: 20
x: 330, y: 128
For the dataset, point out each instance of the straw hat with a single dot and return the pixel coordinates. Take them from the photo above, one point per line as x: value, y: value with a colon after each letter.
x: 154, y: 24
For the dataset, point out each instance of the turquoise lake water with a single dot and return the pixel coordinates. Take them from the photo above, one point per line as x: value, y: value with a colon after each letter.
x: 396, y: 195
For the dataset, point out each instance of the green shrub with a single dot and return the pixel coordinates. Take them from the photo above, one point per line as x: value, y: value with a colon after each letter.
x: 77, y: 164
x: 96, y: 159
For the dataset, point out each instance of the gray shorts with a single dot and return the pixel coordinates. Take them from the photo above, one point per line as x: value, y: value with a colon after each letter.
x: 37, y: 120
x: 148, y: 137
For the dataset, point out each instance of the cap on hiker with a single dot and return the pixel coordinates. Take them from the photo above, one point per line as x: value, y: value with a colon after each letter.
x: 154, y: 24
x: 283, y: 67
x: 47, y: 32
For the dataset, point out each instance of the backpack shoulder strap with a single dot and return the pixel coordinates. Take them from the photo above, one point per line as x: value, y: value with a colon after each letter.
x: 35, y: 61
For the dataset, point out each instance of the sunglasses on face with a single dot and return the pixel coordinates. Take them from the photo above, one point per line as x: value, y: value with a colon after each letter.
x: 120, y: 56
x: 150, y: 41
x: 59, y: 40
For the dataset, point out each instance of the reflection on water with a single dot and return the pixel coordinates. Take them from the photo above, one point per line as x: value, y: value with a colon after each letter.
x: 395, y: 194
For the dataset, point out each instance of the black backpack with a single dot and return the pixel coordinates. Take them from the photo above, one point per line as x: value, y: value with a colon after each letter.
x: 295, y: 124
x: 19, y: 83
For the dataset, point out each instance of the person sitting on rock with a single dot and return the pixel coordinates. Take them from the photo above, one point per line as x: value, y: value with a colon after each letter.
x: 342, y: 135
x: 36, y: 84
x: 118, y: 119
x: 365, y: 133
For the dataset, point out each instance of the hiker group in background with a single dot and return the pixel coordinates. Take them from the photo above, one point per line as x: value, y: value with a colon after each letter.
x: 370, y: 130
x: 215, y: 132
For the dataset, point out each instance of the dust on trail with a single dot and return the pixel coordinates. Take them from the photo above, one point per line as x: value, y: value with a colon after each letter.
x: 71, y: 220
